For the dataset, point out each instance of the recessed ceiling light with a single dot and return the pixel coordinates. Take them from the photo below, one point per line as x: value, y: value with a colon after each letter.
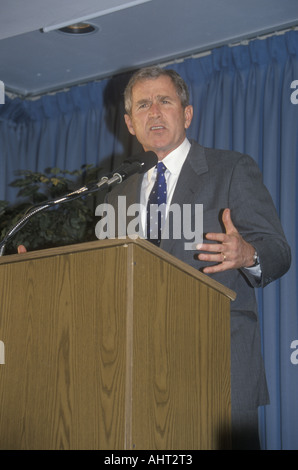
x: 78, y: 28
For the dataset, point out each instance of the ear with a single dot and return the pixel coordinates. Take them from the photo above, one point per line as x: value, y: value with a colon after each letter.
x: 188, y: 114
x: 129, y: 124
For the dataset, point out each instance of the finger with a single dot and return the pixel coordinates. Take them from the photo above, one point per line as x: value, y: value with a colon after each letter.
x: 227, y: 221
x: 213, y: 258
x: 217, y: 268
x: 218, y: 237
x: 210, y: 247
x: 22, y: 249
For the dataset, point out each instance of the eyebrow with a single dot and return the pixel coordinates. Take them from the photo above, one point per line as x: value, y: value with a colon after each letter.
x: 163, y: 97
x: 144, y: 100
x: 159, y: 98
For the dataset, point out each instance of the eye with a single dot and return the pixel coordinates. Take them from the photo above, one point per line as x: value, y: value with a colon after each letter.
x: 143, y: 105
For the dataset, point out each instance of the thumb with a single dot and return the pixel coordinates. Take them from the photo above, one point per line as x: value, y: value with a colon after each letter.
x: 21, y: 249
x: 227, y: 221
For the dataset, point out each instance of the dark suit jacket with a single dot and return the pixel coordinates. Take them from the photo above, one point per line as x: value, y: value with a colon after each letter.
x: 225, y: 179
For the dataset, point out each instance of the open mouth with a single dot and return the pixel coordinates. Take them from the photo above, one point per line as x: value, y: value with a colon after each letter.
x: 156, y: 128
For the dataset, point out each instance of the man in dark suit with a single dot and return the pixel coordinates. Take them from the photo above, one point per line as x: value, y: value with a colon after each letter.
x: 244, y: 245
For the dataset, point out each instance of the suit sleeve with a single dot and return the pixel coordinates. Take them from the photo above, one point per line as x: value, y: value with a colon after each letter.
x: 255, y: 217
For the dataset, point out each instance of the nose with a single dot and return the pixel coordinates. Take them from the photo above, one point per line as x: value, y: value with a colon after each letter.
x: 154, y: 110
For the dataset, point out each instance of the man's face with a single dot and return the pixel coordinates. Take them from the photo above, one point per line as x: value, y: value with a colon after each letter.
x: 158, y: 119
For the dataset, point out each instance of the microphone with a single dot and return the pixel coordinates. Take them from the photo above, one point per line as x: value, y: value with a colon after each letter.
x: 138, y: 164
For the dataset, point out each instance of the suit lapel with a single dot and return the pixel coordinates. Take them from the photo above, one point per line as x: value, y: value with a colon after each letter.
x: 134, y: 184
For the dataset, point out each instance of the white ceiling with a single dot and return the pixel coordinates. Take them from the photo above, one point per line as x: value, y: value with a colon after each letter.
x: 35, y: 58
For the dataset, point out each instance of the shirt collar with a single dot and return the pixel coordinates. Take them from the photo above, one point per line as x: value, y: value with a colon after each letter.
x: 174, y: 160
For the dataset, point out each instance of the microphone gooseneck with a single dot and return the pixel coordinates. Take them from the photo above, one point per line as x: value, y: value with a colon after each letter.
x: 137, y: 164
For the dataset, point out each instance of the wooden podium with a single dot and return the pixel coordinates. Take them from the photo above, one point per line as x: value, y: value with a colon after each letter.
x: 112, y: 345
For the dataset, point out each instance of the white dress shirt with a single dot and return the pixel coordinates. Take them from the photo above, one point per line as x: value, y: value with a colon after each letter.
x: 173, y: 162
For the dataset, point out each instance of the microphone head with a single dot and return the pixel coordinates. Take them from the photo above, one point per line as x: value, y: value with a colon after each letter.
x: 144, y: 160
x: 138, y: 164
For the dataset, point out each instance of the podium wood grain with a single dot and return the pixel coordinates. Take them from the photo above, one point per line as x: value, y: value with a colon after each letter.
x: 181, y: 388
x: 109, y: 346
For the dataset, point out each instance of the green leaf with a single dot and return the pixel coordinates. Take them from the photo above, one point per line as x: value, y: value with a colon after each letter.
x: 55, y: 171
x: 44, y: 179
x: 69, y: 223
x: 28, y: 191
x: 56, y: 181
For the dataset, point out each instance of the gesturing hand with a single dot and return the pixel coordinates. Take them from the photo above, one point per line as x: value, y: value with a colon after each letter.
x: 231, y: 251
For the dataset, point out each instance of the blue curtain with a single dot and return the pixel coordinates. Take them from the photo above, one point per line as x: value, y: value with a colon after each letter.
x: 242, y: 101
x: 242, y: 97
x: 66, y: 130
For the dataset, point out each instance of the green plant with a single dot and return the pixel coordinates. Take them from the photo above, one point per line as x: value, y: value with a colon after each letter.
x: 68, y: 223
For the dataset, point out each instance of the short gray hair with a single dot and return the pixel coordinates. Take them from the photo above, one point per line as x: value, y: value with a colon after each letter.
x: 151, y: 73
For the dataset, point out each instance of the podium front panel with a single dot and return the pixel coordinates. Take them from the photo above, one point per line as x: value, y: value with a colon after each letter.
x: 112, y: 346
x: 63, y: 324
